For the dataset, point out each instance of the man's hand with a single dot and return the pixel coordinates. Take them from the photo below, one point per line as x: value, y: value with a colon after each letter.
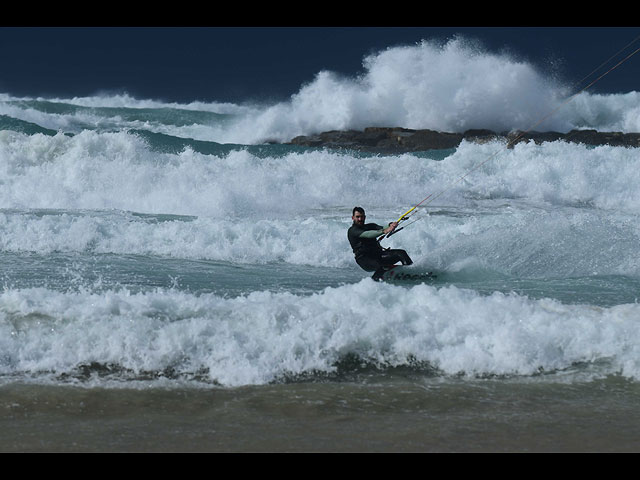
x: 392, y: 226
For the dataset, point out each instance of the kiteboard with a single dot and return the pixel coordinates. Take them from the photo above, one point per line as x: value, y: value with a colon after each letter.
x: 402, y: 273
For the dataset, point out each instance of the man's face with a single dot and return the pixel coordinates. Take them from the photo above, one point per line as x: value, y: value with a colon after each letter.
x: 358, y: 218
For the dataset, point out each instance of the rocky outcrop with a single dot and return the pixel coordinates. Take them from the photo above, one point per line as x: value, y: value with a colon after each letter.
x: 399, y: 140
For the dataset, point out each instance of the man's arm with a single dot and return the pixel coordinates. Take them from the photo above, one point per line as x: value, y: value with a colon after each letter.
x: 372, y: 233
x: 381, y: 231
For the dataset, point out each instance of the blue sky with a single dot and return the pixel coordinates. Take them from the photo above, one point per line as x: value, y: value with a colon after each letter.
x: 260, y: 63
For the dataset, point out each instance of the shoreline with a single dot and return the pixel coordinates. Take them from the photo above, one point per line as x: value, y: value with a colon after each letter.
x: 387, y: 413
x: 392, y: 140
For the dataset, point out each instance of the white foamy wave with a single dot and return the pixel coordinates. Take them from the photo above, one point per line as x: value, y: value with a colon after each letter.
x: 451, y: 87
x: 606, y: 113
x: 73, y: 193
x: 116, y: 170
x: 125, y: 100
x: 295, y: 241
x: 119, y: 171
x: 525, y: 241
x: 556, y: 173
x: 105, y: 113
x: 568, y: 241
x: 265, y: 336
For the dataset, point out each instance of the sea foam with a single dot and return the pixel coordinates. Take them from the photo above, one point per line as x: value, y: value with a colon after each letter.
x: 265, y: 337
x: 83, y: 193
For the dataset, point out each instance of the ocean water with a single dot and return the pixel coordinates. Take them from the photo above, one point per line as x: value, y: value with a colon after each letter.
x: 174, y: 278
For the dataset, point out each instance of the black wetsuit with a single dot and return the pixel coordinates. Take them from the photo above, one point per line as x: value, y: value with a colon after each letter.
x: 370, y: 256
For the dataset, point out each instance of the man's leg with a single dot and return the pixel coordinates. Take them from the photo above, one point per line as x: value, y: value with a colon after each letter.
x: 369, y: 264
x: 375, y: 265
x: 391, y: 257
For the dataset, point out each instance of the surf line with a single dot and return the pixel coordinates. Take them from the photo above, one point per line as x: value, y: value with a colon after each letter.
x: 431, y: 197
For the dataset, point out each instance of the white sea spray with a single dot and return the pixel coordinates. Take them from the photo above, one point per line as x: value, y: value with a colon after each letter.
x: 262, y: 337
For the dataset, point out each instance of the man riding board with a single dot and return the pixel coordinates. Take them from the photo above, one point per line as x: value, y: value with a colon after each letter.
x: 370, y: 256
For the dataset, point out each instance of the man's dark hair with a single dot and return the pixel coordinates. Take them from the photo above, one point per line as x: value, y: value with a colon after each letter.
x: 357, y: 209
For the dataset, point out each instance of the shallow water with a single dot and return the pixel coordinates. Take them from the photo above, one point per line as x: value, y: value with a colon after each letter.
x: 391, y: 412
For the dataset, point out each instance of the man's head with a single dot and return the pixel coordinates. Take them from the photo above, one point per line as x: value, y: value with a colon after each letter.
x: 358, y: 215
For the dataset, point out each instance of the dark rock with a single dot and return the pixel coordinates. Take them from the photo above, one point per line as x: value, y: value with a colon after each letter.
x: 437, y: 140
x: 398, y: 140
x: 593, y: 137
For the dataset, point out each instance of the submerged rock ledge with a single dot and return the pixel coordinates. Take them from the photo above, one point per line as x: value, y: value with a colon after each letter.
x: 401, y: 140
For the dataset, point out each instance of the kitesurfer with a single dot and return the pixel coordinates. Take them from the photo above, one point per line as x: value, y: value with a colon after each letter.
x: 370, y: 256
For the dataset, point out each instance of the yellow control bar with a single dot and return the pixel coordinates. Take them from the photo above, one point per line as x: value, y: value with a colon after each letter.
x: 406, y: 213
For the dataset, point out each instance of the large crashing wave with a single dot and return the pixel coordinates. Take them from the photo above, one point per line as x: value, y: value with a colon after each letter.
x: 447, y: 87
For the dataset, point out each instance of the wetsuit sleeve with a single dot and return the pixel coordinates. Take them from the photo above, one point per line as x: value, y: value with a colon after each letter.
x: 372, y: 233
